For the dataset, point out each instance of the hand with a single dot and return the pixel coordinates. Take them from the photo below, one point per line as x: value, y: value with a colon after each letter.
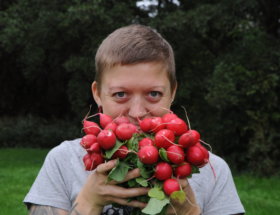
x: 98, y: 192
x: 189, y: 206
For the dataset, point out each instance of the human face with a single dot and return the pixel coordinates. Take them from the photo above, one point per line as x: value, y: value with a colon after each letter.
x: 136, y: 91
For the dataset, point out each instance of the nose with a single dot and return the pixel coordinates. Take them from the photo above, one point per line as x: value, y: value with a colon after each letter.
x: 137, y: 109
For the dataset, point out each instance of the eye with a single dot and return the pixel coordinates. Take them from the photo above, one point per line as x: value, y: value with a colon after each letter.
x: 119, y: 95
x: 155, y: 94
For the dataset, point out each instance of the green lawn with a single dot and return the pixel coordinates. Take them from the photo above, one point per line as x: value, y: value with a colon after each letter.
x: 19, y: 167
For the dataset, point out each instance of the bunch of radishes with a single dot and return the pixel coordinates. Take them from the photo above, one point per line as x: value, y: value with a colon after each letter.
x: 164, y: 148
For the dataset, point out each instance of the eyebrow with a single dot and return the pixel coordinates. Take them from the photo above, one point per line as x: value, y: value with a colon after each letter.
x: 150, y: 88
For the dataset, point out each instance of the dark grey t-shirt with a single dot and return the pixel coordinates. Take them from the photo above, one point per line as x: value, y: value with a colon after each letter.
x: 62, y: 176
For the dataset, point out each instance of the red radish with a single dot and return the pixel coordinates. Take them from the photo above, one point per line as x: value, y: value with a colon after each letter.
x: 145, y: 142
x: 190, y: 138
x: 196, y: 156
x: 146, y: 125
x: 206, y: 154
x: 148, y: 154
x: 171, y: 185
x: 156, y: 124
x: 206, y: 158
x: 111, y: 126
x: 87, y: 162
x: 166, y: 118
x: 97, y: 159
x: 95, y: 147
x: 184, y: 170
x: 125, y: 131
x: 178, y: 126
x: 121, y: 153
x: 106, y: 139
x: 164, y: 138
x: 121, y: 119
x: 104, y: 120
x: 91, y: 161
x: 88, y: 140
x: 175, y: 154
x: 163, y: 171
x: 91, y: 127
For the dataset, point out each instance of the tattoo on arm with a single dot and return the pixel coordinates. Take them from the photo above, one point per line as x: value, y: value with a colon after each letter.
x: 48, y: 210
x: 74, y: 211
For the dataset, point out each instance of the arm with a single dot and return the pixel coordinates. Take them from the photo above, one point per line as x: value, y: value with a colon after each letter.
x: 48, y: 210
x: 95, y: 194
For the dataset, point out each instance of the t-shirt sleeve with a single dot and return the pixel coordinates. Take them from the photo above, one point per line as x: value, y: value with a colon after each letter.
x: 49, y: 188
x: 223, y: 198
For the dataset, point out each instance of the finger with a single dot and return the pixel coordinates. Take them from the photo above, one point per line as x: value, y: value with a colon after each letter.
x: 130, y: 175
x: 121, y: 192
x: 105, y: 167
x: 134, y: 203
x: 184, y: 183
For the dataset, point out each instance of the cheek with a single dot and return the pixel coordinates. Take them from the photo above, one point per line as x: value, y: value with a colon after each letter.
x: 114, y: 110
x: 161, y: 108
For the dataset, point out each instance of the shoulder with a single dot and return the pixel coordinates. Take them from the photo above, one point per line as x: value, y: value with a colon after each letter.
x: 217, y: 164
x: 215, y: 172
x: 65, y: 150
x: 215, y: 189
x: 216, y: 168
x: 65, y: 157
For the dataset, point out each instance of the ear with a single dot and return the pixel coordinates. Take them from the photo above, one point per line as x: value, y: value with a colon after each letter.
x: 173, y: 94
x: 96, y: 93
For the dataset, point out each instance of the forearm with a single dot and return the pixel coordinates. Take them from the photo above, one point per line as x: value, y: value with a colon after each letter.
x: 48, y: 210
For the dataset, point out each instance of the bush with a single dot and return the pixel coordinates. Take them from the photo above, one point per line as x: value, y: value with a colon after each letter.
x: 32, y: 131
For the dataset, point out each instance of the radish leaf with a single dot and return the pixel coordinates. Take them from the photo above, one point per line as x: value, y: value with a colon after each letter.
x: 163, y: 154
x: 179, y: 196
x: 155, y: 206
x: 119, y: 172
x: 157, y: 193
x: 109, y: 153
x: 142, y: 181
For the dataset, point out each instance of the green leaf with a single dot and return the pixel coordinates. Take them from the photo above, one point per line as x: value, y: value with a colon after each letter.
x: 132, y: 183
x: 157, y: 193
x: 195, y: 169
x: 119, y: 172
x: 131, y: 158
x: 163, y: 154
x: 144, y: 172
x: 132, y: 143
x: 155, y: 206
x: 179, y: 196
x: 109, y: 153
x: 142, y: 181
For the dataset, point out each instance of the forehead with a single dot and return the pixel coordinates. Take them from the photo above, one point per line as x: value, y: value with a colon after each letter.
x: 148, y: 73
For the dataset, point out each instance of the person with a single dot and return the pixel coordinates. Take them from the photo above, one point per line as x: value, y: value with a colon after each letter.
x: 135, y: 77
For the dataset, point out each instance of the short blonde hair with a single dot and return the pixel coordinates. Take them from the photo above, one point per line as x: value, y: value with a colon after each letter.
x: 134, y: 44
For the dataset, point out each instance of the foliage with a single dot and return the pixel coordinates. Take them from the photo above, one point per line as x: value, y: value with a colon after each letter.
x: 36, y: 132
x: 227, y: 59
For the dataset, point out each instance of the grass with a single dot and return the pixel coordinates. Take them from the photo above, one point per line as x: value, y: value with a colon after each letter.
x: 19, y: 167
x: 260, y: 196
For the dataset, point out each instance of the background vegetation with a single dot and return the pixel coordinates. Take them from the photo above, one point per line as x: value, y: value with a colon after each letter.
x: 227, y: 56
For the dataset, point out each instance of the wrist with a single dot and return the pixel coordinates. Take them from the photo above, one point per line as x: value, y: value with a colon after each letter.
x: 195, y: 210
x: 83, y: 207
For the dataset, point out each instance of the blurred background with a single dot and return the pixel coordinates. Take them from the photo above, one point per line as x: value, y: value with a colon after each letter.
x: 227, y: 59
